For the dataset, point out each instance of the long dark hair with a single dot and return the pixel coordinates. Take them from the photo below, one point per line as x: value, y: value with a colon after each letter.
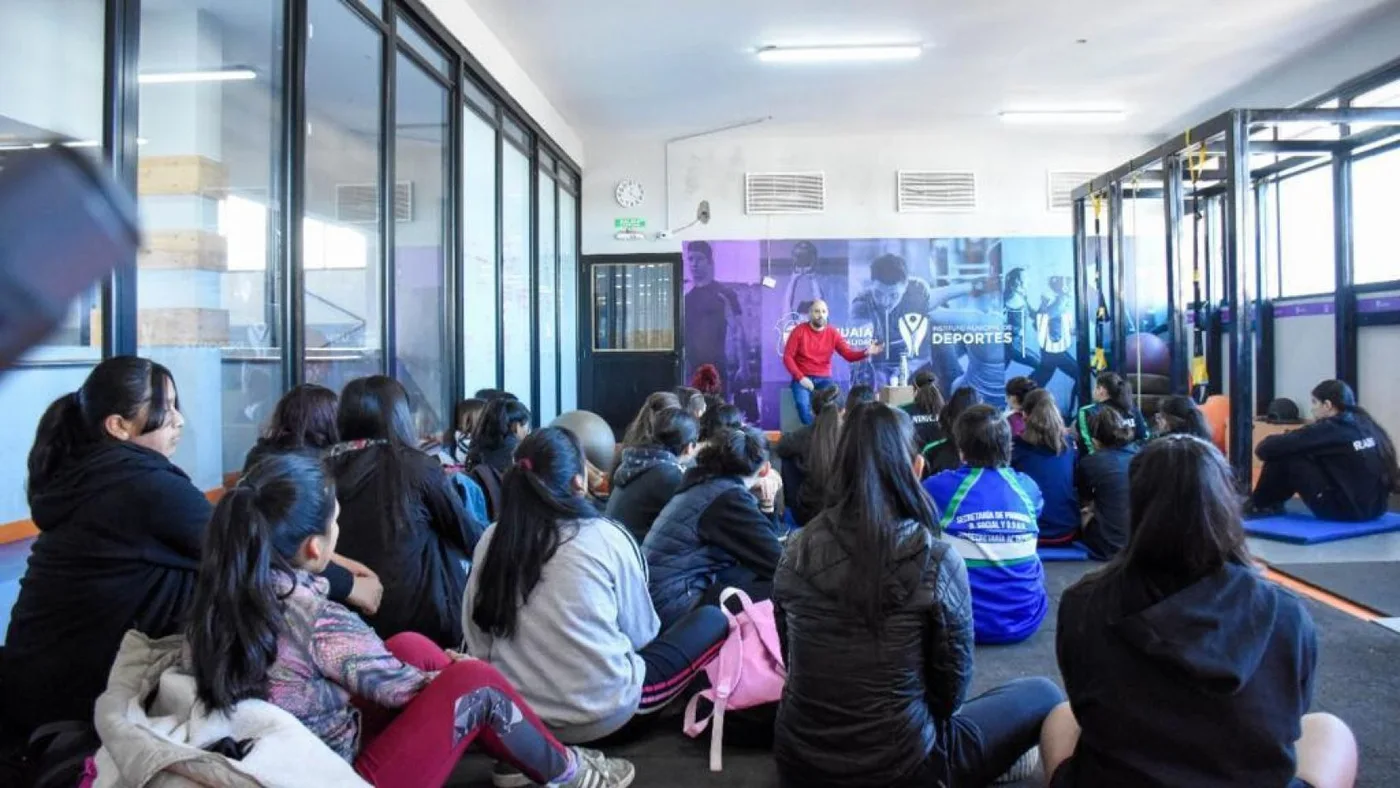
x: 496, y: 425
x: 537, y: 500
x: 305, y: 417
x: 639, y: 432
x: 675, y: 430
x: 464, y: 419
x: 860, y: 395
x: 736, y: 452
x: 1184, y: 514
x: 963, y: 399
x: 873, y: 490
x: 1020, y: 388
x: 254, y: 536
x: 376, y: 409
x: 927, y: 398
x: 1044, y: 425
x: 1119, y: 390
x: 124, y: 386
x: 826, y: 435
x: 1344, y: 399
x: 717, y: 419
x: 1182, y: 417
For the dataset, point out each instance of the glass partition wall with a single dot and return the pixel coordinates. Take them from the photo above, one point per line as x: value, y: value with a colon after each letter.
x: 329, y: 189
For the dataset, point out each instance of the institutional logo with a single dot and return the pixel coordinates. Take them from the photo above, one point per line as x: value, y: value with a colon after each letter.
x: 913, y: 329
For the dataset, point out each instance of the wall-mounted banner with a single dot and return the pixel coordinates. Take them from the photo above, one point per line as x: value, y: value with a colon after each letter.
x: 974, y: 311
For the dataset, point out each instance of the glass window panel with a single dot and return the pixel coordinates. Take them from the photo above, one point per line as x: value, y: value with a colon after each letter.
x: 208, y: 279
x: 548, y: 303
x: 1307, y: 251
x: 478, y: 97
x: 1387, y: 95
x: 546, y: 162
x: 479, y: 320
x: 421, y: 164
x: 1375, y: 184
x: 515, y: 131
x: 50, y: 86
x: 51, y: 78
x: 568, y: 302
x: 632, y: 307
x: 421, y: 43
x: 517, y: 325
x: 341, y: 235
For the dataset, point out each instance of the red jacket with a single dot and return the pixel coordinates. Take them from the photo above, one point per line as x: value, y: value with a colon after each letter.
x: 808, y: 351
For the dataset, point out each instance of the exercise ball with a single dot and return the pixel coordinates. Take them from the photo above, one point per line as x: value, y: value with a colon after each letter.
x: 1148, y: 354
x: 594, y: 433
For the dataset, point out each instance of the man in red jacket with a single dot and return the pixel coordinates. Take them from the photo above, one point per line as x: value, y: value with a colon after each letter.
x: 807, y: 356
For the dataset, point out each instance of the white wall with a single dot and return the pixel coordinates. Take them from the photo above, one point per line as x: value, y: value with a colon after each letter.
x: 463, y: 23
x: 1305, y: 347
x: 1011, y: 167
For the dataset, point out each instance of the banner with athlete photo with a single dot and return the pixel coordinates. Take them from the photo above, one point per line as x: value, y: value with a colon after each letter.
x: 973, y: 311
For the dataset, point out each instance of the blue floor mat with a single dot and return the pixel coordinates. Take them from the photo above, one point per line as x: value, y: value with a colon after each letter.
x: 1307, y: 529
x: 1073, y: 551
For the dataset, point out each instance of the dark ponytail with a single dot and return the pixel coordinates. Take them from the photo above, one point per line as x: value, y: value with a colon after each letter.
x: 1119, y: 390
x: 821, y: 452
x: 1182, y: 417
x: 248, y: 566
x: 376, y: 409
x: 1344, y: 400
x: 124, y: 386
x: 733, y: 452
x: 927, y: 398
x: 538, y: 500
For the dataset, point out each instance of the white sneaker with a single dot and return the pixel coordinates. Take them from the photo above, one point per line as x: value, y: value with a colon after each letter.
x: 1025, y: 767
x: 596, y: 770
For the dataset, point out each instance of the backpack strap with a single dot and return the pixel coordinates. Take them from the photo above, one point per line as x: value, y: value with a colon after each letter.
x: 963, y: 489
x: 768, y: 638
x: 728, y: 670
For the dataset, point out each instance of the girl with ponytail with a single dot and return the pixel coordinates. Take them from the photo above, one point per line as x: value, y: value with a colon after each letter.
x: 557, y: 601
x: 1342, y: 465
x: 1111, y: 390
x: 262, y: 627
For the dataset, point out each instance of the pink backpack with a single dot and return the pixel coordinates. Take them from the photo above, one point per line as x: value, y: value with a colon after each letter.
x: 748, y: 672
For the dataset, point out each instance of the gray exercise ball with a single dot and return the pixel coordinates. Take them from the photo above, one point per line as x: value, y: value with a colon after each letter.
x: 593, y: 432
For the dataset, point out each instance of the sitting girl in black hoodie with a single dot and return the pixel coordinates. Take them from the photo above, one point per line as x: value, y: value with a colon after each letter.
x: 650, y: 474
x: 1342, y: 465
x: 1183, y: 666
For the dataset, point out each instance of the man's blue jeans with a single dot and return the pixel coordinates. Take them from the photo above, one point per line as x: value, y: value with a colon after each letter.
x: 802, y: 398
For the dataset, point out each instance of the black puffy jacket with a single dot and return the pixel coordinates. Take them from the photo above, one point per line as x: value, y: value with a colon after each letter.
x: 861, y: 709
x: 642, y: 485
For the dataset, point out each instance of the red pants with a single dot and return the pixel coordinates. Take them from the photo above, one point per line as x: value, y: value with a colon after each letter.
x: 468, y: 700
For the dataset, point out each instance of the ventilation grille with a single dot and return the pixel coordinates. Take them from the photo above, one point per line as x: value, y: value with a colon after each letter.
x: 925, y: 191
x: 358, y: 203
x: 784, y: 192
x: 1061, y: 184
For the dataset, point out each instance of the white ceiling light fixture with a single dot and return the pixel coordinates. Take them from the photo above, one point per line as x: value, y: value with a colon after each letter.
x: 211, y: 75
x: 840, y: 53
x: 1063, y: 117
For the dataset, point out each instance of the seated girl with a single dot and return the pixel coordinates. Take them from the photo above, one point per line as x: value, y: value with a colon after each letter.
x: 457, y: 438
x: 942, y: 454
x: 1102, y: 479
x: 649, y: 475
x: 558, y: 602
x: 500, y: 428
x: 1017, y: 389
x: 261, y: 627
x: 1111, y: 390
x: 712, y: 534
x: 811, y: 450
x: 989, y: 515
x: 1183, y: 665
x: 1045, y: 453
x: 1180, y: 416
x: 1342, y: 464
x: 926, y: 408
x: 121, y: 530
x: 871, y: 569
x: 402, y: 518
x: 302, y: 423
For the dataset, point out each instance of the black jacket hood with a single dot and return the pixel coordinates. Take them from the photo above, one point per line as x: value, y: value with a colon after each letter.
x: 1215, y: 631
x: 90, y: 475
x: 637, y: 460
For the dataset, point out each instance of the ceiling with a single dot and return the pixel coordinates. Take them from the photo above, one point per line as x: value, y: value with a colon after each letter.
x: 670, y: 68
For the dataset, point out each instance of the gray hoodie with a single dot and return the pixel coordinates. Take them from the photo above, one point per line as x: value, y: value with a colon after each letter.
x: 574, y: 653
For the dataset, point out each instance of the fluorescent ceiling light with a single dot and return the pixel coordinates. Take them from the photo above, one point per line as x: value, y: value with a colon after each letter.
x: 1064, y: 117
x: 839, y: 54
x: 213, y: 75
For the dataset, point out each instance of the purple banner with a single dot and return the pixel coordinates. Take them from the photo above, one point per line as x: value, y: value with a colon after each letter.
x: 973, y: 311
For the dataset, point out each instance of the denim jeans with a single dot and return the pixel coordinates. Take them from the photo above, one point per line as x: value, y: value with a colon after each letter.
x: 802, y: 398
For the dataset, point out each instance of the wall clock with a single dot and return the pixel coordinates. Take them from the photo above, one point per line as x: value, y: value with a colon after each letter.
x: 629, y: 193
